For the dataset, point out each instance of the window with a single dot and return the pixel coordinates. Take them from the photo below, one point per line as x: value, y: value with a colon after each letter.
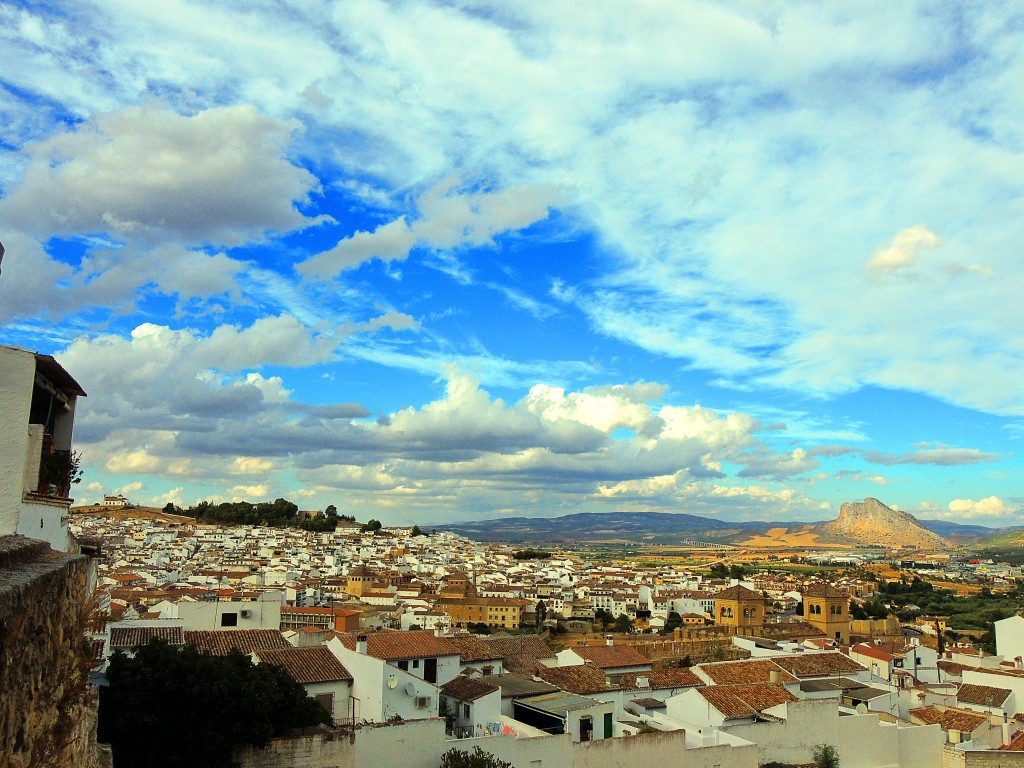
x: 415, y: 663
x: 465, y: 711
x: 403, y: 665
x: 229, y: 619
x: 586, y: 728
x: 327, y: 701
x: 837, y: 610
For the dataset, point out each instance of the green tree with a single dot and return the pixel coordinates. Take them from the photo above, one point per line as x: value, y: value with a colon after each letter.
x: 673, y: 622
x: 826, y: 756
x: 198, y: 708
x: 371, y: 526
x: 542, y: 612
x: 417, y: 531
x: 331, y: 511
x: 604, y: 616
x: 457, y: 758
x: 623, y: 623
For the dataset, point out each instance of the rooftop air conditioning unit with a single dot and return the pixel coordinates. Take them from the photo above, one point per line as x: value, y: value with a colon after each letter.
x: 422, y: 702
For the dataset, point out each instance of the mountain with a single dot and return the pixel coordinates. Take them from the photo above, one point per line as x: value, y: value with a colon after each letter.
x: 870, y: 522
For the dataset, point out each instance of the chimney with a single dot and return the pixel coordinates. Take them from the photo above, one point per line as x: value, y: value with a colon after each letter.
x: 643, y: 682
x: 609, y: 640
x: 361, y: 644
x: 774, y: 676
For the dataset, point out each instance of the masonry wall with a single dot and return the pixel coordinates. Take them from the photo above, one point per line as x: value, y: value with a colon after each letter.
x: 17, y: 372
x: 959, y: 758
x: 47, y: 713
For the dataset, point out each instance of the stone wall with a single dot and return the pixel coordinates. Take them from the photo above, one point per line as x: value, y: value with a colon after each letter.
x: 981, y: 758
x: 47, y: 712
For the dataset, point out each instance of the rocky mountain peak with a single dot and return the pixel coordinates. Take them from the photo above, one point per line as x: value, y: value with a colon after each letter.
x: 872, y: 522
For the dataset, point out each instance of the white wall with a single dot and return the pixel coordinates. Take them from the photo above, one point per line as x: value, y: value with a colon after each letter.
x: 17, y: 374
x: 1010, y: 638
x: 861, y: 740
x: 264, y: 613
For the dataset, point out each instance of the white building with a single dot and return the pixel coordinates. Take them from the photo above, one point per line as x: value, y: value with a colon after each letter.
x: 36, y: 459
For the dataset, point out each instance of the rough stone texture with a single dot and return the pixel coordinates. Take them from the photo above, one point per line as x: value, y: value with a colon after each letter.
x: 47, y: 716
x: 982, y: 758
x: 872, y: 522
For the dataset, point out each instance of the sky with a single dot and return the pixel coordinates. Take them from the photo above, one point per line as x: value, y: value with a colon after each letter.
x: 443, y: 261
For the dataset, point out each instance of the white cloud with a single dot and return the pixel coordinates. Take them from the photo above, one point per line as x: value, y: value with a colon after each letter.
x: 447, y: 219
x: 968, y: 509
x: 146, y: 173
x: 903, y: 250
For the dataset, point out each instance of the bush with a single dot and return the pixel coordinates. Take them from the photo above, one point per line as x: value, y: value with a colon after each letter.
x: 826, y: 756
x: 457, y: 758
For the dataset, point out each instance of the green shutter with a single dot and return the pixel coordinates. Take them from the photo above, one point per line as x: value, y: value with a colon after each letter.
x: 608, y: 725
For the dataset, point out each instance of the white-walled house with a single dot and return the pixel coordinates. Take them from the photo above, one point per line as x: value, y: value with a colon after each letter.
x: 421, y: 653
x: 37, y: 418
x: 471, y: 706
x: 384, y: 692
x: 320, y: 673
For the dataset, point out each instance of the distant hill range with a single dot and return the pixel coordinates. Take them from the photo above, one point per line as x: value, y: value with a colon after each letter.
x: 864, y: 523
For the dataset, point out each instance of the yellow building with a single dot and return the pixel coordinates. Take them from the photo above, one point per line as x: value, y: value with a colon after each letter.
x: 360, y: 580
x: 459, y: 599
x: 739, y: 607
x: 828, y: 609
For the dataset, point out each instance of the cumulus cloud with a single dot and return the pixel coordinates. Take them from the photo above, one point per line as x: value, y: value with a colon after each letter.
x: 147, y: 173
x: 968, y: 509
x: 903, y: 250
x: 446, y: 219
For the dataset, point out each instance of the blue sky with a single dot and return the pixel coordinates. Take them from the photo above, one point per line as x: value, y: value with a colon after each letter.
x: 443, y: 261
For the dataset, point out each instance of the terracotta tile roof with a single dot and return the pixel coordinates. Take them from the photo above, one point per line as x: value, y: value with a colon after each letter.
x: 818, y: 664
x: 744, y: 672
x: 735, y: 701
x: 951, y: 718
x: 522, y: 665
x: 315, y: 664
x: 529, y: 646
x: 130, y: 637
x: 1016, y: 743
x: 739, y: 592
x: 825, y: 590
x: 953, y: 667
x: 984, y: 695
x: 611, y: 656
x: 467, y: 688
x: 873, y: 651
x: 582, y: 679
x: 472, y: 649
x: 245, y: 640
x: 392, y: 645
x: 662, y: 678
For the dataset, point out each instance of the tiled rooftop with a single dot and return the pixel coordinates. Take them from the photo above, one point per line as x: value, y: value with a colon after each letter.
x: 467, y: 688
x: 393, y: 645
x: 744, y: 672
x: 315, y: 664
x: 130, y: 637
x: 951, y: 718
x: 983, y: 695
x: 611, y: 656
x: 736, y: 701
x: 818, y: 664
x: 245, y: 640
x: 581, y: 679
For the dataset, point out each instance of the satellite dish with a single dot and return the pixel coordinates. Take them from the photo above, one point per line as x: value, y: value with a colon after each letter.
x: 392, y: 681
x: 862, y: 708
x: 410, y: 689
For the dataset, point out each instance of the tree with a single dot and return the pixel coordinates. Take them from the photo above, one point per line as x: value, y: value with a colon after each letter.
x: 331, y: 511
x: 623, y: 623
x: 457, y: 758
x: 542, y: 612
x: 826, y: 756
x: 417, y: 531
x: 371, y: 526
x: 220, y: 702
x: 673, y: 622
x: 604, y: 616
